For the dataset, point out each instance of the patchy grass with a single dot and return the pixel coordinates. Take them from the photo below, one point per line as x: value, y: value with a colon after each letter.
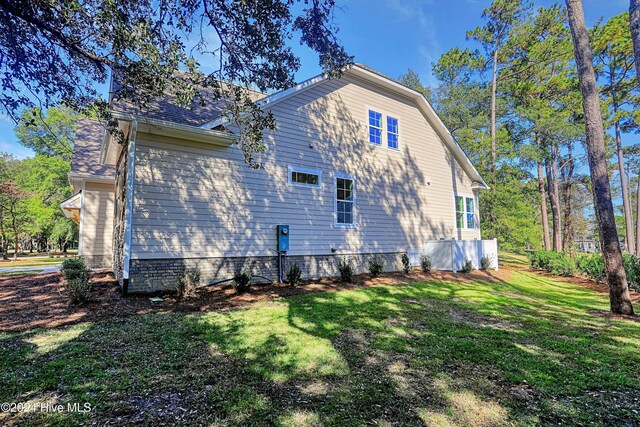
x: 33, y: 262
x: 19, y: 273
x: 522, y: 351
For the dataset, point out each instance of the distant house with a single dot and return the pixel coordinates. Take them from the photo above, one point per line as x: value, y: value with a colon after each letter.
x: 358, y: 165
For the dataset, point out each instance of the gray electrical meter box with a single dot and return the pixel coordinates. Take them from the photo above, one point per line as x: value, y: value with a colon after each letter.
x: 283, y: 237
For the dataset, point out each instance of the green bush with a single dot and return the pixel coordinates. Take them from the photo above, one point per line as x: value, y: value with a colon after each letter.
x: 591, y: 266
x: 293, y: 275
x: 425, y: 263
x: 406, y: 265
x: 345, y: 267
x: 632, y: 268
x: 76, y: 275
x: 78, y: 290
x: 467, y: 266
x: 485, y: 263
x: 557, y: 263
x: 242, y: 280
x: 188, y: 283
x: 74, y: 268
x: 561, y: 265
x: 540, y: 259
x: 376, y: 265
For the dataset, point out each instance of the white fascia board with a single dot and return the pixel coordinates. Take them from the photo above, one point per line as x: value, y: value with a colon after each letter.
x: 178, y: 130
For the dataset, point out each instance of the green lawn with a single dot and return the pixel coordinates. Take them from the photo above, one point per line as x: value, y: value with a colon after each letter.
x: 522, y: 351
x: 33, y: 262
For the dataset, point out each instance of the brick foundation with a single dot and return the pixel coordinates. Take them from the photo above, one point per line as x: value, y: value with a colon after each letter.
x: 150, y: 275
x: 97, y: 261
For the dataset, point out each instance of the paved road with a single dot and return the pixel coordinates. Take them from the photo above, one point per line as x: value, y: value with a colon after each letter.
x: 50, y: 268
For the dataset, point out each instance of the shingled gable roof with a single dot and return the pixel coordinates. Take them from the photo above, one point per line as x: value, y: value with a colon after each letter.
x: 90, y: 134
x: 364, y: 72
x: 86, y: 150
x: 167, y: 107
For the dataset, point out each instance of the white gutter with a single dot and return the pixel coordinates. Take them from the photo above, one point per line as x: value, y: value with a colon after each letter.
x: 128, y: 212
x: 178, y: 130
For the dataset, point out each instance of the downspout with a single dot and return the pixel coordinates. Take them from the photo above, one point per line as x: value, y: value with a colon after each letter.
x: 128, y: 212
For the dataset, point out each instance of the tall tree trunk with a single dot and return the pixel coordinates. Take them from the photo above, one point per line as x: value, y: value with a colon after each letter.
x: 5, y: 247
x: 568, y: 169
x: 554, y: 199
x: 634, y: 26
x: 620, y: 300
x: 16, y: 242
x: 494, y: 94
x: 543, y: 208
x: 638, y: 217
x: 626, y: 204
x: 543, y: 204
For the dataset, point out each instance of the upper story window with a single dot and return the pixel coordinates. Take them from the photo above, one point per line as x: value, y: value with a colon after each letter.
x: 304, y: 177
x: 345, y: 207
x: 392, y: 132
x: 465, y: 213
x: 383, y: 130
x: 375, y: 127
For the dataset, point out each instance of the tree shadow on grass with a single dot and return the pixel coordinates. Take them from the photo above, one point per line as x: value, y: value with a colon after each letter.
x: 414, y: 354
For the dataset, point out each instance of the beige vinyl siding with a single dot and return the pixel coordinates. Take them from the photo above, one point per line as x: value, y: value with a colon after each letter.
x: 97, y: 219
x: 197, y: 200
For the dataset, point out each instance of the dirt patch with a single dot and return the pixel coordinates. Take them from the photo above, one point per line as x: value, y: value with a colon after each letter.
x: 478, y: 320
x: 39, y: 301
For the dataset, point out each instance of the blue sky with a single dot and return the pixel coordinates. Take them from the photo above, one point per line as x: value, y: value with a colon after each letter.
x: 391, y: 36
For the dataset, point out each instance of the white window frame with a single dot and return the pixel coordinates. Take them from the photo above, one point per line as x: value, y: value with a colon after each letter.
x: 397, y: 133
x: 465, y: 212
x: 292, y: 169
x: 382, y: 126
x: 384, y: 141
x: 335, y: 200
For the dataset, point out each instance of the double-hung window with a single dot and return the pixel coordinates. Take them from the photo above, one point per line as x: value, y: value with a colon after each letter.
x: 392, y: 133
x: 383, y: 130
x: 375, y: 127
x: 465, y: 213
x: 345, y: 208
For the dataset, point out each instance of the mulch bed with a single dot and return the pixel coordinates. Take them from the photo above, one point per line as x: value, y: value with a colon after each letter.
x: 39, y: 301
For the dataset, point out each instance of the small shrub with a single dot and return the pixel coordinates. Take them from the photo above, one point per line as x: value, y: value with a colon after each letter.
x: 293, y: 275
x: 406, y: 265
x: 189, y: 283
x: 632, y: 268
x: 76, y: 275
x: 78, y: 290
x: 467, y: 266
x: 486, y: 262
x: 345, y: 267
x: 74, y: 268
x: 540, y: 259
x: 561, y: 265
x: 242, y: 280
x: 591, y: 266
x: 425, y: 263
x: 376, y: 265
